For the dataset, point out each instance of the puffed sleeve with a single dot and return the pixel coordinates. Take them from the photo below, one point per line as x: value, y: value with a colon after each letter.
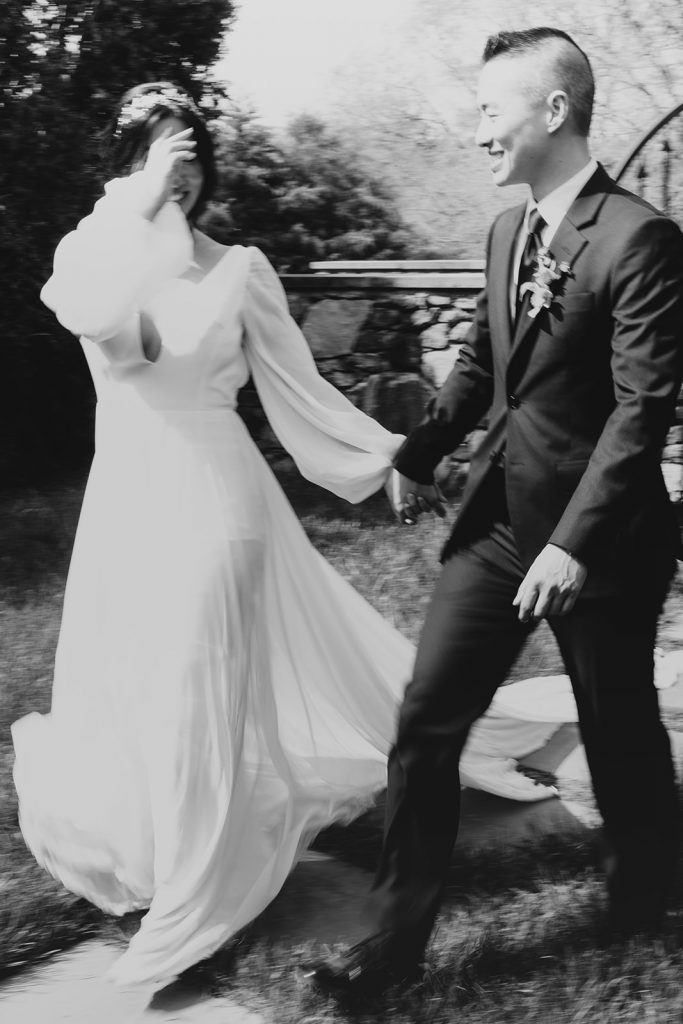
x: 333, y: 443
x: 115, y: 260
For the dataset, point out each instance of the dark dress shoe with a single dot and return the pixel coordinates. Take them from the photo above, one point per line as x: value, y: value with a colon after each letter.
x: 638, y: 910
x: 376, y: 963
x: 623, y: 923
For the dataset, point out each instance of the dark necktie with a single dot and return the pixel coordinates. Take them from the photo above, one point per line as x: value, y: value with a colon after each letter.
x: 528, y: 262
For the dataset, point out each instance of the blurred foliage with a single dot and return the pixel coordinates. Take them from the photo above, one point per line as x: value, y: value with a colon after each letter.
x: 63, y: 66
x: 409, y: 102
x: 301, y: 196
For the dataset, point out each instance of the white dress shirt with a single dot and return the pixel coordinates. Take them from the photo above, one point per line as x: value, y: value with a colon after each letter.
x: 553, y: 208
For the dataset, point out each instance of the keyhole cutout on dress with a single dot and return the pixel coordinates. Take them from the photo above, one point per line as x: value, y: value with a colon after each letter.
x: 150, y: 337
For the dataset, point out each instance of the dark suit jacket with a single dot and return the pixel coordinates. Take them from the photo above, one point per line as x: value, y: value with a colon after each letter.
x: 580, y: 397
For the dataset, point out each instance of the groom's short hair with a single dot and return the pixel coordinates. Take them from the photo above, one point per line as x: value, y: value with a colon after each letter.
x: 562, y: 61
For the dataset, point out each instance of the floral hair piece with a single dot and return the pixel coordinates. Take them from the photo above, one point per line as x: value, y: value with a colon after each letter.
x: 140, y: 106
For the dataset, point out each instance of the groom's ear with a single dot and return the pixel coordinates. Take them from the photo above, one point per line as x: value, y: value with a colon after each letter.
x: 557, y: 112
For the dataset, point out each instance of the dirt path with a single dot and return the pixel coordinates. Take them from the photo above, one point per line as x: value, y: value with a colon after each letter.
x: 71, y: 988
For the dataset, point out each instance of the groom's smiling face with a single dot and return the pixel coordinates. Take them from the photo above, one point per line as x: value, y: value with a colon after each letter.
x: 513, y: 124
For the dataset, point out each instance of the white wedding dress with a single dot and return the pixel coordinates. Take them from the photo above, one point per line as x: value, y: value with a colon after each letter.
x: 220, y: 693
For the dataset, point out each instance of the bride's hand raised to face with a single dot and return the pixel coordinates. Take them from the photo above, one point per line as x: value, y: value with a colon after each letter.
x: 161, y: 166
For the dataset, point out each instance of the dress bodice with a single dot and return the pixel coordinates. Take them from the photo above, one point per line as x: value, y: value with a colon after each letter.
x: 120, y: 278
x: 198, y: 323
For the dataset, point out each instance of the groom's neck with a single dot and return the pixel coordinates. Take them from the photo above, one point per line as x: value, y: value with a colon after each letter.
x: 565, y: 160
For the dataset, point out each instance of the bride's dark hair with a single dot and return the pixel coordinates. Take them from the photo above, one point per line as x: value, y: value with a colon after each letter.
x: 126, y: 138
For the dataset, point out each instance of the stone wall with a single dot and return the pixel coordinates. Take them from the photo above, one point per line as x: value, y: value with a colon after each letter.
x: 387, y: 339
x: 386, y: 334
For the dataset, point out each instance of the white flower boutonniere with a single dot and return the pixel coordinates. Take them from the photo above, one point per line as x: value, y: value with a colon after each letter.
x: 544, y: 281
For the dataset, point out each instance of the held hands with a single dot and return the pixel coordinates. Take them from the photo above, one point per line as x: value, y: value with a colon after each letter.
x: 164, y: 160
x: 551, y: 585
x: 409, y: 499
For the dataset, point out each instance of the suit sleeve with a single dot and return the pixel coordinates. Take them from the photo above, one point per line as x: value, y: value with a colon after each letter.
x: 647, y: 364
x: 463, y: 399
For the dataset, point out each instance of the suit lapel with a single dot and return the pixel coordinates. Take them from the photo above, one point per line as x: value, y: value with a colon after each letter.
x: 500, y: 272
x: 565, y: 246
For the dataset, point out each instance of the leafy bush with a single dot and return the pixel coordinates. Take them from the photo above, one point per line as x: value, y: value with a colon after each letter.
x: 302, y: 196
x: 62, y: 67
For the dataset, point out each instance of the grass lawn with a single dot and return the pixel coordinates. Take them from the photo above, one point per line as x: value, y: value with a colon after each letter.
x: 37, y: 916
x: 519, y: 939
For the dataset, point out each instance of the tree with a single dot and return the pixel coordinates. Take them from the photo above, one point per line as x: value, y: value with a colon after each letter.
x: 301, y: 197
x: 62, y: 67
x: 634, y: 49
x: 412, y: 111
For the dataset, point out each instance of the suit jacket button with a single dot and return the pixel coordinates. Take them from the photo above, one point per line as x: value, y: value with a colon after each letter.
x: 513, y: 402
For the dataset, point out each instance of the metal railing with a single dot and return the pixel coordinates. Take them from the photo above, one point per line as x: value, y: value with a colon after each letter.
x: 391, y: 266
x: 653, y: 168
x: 408, y: 275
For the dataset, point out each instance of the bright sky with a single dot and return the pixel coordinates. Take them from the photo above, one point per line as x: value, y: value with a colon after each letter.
x: 283, y: 55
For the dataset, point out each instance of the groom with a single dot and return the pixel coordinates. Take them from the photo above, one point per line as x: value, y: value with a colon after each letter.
x: 576, y: 353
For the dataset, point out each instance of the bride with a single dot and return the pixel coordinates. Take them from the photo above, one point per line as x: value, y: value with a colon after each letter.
x: 220, y: 693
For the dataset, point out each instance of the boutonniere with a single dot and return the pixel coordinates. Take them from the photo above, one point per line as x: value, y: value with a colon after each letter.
x: 544, y: 281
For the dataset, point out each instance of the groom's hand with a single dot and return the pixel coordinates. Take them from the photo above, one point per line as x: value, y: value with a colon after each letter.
x: 551, y: 585
x: 409, y: 499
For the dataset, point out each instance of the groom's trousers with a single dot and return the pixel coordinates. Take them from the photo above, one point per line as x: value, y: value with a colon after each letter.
x: 470, y: 639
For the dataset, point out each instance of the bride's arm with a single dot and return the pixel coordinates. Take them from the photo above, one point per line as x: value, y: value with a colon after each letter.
x: 116, y: 259
x: 333, y: 443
